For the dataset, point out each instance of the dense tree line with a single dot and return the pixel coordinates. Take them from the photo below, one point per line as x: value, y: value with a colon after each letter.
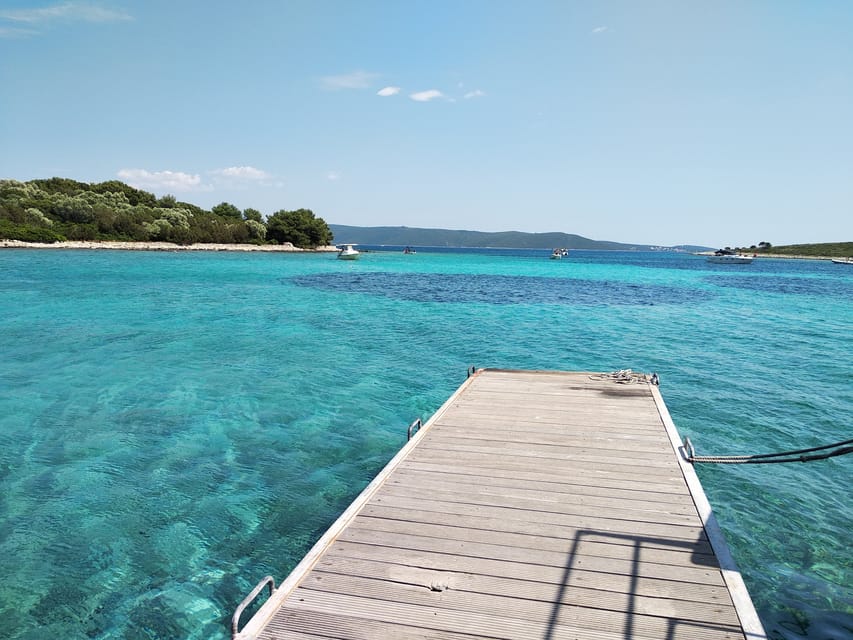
x: 58, y: 209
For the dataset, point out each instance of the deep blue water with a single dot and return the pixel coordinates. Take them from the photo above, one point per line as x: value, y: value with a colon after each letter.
x: 175, y: 426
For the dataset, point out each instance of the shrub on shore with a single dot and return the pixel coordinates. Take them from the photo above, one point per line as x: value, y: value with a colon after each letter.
x: 57, y: 209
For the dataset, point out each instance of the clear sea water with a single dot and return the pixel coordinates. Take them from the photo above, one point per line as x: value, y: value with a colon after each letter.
x: 175, y: 426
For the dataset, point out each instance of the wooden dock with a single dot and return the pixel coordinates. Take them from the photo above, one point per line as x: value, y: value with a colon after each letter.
x: 540, y: 505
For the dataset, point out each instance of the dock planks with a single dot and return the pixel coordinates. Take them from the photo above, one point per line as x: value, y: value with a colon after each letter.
x: 541, y: 505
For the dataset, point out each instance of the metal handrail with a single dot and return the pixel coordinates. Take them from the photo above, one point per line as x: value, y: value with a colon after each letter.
x: 235, y: 619
x: 415, y: 426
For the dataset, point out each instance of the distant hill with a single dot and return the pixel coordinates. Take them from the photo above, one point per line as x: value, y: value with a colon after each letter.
x: 402, y: 236
x: 825, y: 249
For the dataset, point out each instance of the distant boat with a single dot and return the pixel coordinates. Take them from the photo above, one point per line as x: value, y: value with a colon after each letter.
x: 556, y: 254
x: 348, y: 252
x: 843, y: 261
x: 729, y: 259
x: 727, y: 256
x: 409, y: 250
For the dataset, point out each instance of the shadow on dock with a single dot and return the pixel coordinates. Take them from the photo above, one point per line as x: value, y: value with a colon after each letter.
x: 701, y: 555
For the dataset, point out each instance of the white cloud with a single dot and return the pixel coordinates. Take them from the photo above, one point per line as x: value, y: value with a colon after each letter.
x: 388, y: 91
x: 474, y: 94
x: 599, y: 30
x: 162, y: 180
x: 241, y: 173
x: 333, y: 176
x: 354, y: 80
x: 426, y: 96
x: 69, y: 11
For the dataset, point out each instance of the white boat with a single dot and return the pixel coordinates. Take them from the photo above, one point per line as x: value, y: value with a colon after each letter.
x: 348, y: 252
x: 843, y: 261
x: 729, y: 258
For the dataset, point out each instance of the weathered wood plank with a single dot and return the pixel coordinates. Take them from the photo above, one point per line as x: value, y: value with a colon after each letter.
x: 641, y: 512
x: 490, y: 625
x: 521, y: 600
x: 512, y: 521
x: 658, y: 457
x: 513, y: 547
x: 564, y: 465
x: 619, y: 546
x: 610, y: 570
x: 595, y: 479
x: 293, y: 623
x: 420, y: 474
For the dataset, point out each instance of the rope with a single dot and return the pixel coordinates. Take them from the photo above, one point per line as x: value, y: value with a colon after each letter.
x: 839, y: 449
x: 626, y: 376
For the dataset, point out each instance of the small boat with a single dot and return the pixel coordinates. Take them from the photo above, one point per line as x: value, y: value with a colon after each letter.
x: 843, y: 261
x: 409, y: 250
x: 726, y: 256
x: 556, y: 254
x: 348, y: 252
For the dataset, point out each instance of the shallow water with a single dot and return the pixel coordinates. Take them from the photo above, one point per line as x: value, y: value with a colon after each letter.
x: 175, y: 426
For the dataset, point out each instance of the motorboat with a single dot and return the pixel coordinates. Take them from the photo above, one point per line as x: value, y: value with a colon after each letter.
x: 730, y: 259
x: 348, y: 252
x: 727, y: 256
x: 556, y: 254
x: 843, y: 261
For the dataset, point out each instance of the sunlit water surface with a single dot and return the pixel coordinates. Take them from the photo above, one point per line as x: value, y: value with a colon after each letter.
x: 175, y: 426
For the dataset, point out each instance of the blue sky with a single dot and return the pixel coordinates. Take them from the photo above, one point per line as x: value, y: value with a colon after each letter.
x: 660, y: 122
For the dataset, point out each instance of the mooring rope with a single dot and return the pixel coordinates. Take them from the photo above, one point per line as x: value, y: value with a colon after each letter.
x: 839, y: 449
x: 626, y: 376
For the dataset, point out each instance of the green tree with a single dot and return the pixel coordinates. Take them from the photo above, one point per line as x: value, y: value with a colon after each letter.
x: 134, y: 196
x: 227, y: 210
x: 167, y: 202
x: 298, y: 227
x: 252, y: 214
x: 256, y: 229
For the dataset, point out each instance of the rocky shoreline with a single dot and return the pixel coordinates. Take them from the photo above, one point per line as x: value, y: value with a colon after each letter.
x: 780, y: 256
x: 161, y: 246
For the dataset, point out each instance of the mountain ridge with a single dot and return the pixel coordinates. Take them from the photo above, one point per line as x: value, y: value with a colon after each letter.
x: 427, y: 237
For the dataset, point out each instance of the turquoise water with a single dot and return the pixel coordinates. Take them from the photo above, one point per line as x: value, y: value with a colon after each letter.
x: 175, y: 426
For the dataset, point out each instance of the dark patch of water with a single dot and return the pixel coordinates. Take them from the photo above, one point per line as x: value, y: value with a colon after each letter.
x: 501, y: 289
x: 787, y: 285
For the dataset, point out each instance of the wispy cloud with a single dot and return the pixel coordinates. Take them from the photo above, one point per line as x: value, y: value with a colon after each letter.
x: 236, y: 177
x: 476, y: 93
x: 388, y: 91
x: 242, y: 173
x: 354, y: 80
x: 598, y: 30
x: 24, y: 23
x: 426, y: 96
x: 163, y: 180
x: 333, y: 176
x: 68, y: 11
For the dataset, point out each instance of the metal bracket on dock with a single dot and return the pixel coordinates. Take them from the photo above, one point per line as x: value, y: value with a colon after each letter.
x: 415, y: 426
x: 235, y: 620
x: 689, y: 451
x: 471, y: 371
